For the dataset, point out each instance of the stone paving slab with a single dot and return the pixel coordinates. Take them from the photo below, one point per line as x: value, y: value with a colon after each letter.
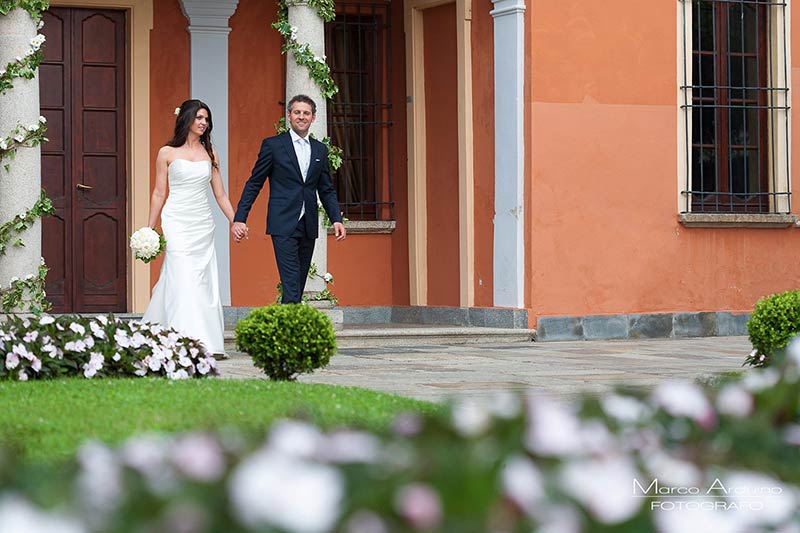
x: 560, y: 369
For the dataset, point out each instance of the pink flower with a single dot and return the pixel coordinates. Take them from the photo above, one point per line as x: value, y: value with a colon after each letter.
x: 199, y: 457
x: 419, y: 505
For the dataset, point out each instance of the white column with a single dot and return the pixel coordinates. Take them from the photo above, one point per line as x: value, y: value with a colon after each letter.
x: 20, y: 186
x: 311, y: 30
x: 208, y: 28
x: 509, y: 158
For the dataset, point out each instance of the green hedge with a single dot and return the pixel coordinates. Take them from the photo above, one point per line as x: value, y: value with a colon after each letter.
x: 775, y: 320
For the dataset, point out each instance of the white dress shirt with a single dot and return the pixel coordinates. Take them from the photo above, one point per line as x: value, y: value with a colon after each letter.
x: 302, y: 149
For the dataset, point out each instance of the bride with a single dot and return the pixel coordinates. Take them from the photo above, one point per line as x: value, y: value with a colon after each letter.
x: 186, y: 296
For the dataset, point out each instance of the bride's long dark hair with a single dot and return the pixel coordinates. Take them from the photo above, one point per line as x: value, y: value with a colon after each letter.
x: 186, y: 115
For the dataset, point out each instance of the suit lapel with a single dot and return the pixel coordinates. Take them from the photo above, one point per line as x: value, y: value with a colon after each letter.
x: 290, y: 153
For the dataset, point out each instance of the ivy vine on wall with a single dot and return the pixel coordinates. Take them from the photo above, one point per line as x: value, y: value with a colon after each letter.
x: 318, y: 69
x: 30, y: 288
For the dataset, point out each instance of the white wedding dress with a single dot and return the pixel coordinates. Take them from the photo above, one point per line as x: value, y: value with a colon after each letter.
x: 186, y: 296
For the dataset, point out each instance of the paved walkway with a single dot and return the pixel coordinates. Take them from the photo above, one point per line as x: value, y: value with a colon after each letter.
x: 561, y: 369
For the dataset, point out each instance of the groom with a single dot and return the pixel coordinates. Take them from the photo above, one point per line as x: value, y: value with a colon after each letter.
x: 297, y: 167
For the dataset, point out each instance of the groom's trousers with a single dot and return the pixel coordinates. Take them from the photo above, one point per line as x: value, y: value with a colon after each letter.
x: 293, y: 254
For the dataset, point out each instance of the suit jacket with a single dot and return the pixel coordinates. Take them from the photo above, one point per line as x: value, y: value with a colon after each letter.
x: 287, y: 191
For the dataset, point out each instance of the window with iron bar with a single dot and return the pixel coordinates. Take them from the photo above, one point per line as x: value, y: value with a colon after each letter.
x: 359, y: 115
x: 736, y: 108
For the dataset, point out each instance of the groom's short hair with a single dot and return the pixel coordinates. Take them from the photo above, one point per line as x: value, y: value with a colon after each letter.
x: 305, y: 99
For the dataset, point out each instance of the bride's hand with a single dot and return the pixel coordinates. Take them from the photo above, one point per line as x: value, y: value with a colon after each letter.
x: 239, y: 231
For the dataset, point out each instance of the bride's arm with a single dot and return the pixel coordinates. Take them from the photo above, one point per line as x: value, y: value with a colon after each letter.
x: 159, y: 195
x: 219, y: 191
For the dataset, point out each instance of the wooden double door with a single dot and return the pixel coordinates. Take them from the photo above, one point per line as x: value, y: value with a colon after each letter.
x: 82, y: 84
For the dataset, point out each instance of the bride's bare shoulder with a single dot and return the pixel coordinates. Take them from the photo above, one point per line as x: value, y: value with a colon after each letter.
x: 166, y: 154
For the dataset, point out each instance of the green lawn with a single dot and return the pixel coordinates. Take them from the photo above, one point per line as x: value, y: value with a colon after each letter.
x: 49, y: 419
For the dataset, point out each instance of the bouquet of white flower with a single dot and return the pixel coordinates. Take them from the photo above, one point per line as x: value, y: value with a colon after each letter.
x: 147, y: 243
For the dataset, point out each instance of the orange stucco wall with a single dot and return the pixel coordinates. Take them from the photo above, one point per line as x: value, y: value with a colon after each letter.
x: 256, y: 93
x: 169, y: 82
x: 483, y: 151
x: 441, y: 114
x: 603, y: 230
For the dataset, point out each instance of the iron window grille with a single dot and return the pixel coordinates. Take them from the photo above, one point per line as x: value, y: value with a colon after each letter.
x: 359, y: 116
x: 736, y: 109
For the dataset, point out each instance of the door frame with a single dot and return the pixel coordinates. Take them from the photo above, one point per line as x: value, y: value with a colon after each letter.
x: 417, y: 155
x: 139, y: 23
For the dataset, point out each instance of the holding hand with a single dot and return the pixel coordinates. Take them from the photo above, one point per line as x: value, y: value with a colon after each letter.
x: 240, y: 231
x: 339, y: 231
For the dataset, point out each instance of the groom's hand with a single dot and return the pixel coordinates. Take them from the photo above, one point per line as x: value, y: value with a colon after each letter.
x: 239, y: 231
x: 339, y: 231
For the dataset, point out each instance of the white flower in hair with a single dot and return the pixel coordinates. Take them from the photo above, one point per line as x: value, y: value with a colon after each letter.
x: 177, y: 111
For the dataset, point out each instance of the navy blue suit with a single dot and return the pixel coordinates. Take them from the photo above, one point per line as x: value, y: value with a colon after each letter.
x: 292, y: 239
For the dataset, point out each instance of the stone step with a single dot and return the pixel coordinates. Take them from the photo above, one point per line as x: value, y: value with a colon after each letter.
x: 408, y: 335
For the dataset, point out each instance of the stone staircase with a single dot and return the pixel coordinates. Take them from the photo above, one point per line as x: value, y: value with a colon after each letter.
x: 386, y: 332
x: 379, y: 335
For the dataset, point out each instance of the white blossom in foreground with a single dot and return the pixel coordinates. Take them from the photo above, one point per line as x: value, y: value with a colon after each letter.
x: 625, y: 409
x: 470, y: 418
x: 99, y: 482
x: 199, y: 457
x: 292, y: 437
x: 522, y: 483
x: 684, y: 398
x: 18, y: 516
x: 553, y: 428
x: 272, y: 489
x: 734, y: 401
x: 603, y: 487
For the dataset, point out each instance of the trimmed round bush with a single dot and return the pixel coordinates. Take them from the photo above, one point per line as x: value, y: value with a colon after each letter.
x: 285, y: 340
x: 775, y: 320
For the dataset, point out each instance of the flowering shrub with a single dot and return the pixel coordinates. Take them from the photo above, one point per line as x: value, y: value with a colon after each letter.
x: 103, y: 346
x: 680, y: 459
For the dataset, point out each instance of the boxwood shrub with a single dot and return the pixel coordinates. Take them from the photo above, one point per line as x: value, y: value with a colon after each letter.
x: 775, y: 320
x: 285, y: 340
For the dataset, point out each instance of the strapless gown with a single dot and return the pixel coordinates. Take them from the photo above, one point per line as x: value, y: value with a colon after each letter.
x: 186, y: 296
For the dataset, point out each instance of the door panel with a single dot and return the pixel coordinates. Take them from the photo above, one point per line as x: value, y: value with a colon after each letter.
x: 84, y: 164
